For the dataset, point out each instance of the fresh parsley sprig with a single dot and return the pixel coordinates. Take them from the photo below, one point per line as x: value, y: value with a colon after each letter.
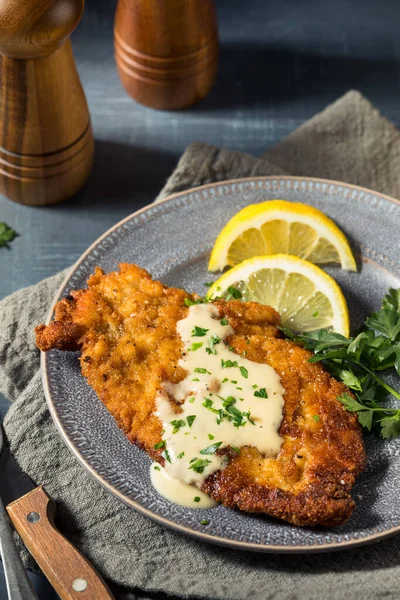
x: 7, y: 234
x: 357, y: 361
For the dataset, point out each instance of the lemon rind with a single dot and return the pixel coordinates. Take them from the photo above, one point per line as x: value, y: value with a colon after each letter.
x: 291, y: 264
x: 254, y: 217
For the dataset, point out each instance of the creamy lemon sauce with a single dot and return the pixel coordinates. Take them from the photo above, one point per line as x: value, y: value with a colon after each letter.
x: 178, y: 491
x: 226, y: 400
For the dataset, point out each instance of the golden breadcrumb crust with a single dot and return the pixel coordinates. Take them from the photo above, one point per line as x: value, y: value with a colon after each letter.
x: 124, y: 324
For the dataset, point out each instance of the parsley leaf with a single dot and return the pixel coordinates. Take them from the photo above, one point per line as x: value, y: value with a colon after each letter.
x: 198, y: 464
x: 357, y: 362
x: 7, y: 234
x: 198, y: 331
x: 211, y: 449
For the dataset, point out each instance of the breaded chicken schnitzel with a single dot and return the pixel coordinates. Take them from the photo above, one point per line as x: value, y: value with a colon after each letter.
x: 125, y: 325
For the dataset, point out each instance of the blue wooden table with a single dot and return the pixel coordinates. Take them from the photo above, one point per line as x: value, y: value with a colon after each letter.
x: 281, y: 62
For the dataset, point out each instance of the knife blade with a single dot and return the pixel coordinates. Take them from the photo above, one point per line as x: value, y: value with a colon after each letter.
x: 18, y: 585
x: 32, y: 514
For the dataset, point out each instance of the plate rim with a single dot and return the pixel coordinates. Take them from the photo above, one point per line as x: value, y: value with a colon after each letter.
x: 202, y: 536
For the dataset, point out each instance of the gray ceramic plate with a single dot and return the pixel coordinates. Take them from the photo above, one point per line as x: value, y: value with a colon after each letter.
x: 172, y: 240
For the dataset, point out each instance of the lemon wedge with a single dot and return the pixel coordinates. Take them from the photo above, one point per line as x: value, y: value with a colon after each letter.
x: 279, y: 226
x: 304, y: 295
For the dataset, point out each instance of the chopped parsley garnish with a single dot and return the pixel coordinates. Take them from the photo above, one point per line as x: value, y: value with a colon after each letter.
x: 235, y: 449
x: 255, y: 386
x: 212, y: 341
x: 233, y: 293
x: 165, y: 454
x: 211, y: 449
x: 192, y: 399
x: 198, y: 331
x: 196, y: 346
x: 196, y: 379
x: 190, y: 419
x: 261, y: 393
x: 199, y: 464
x: 196, y: 499
x: 211, y: 437
x: 224, y: 321
x: 244, y: 372
x: 201, y: 370
x: 189, y: 302
x: 233, y: 381
x: 315, y: 314
x: 239, y: 388
x: 159, y: 445
x: 225, y: 364
x: 204, y: 522
x: 181, y: 455
x: 177, y: 424
x: 6, y: 234
x: 229, y: 412
x: 358, y: 361
x: 156, y: 468
x: 225, y: 380
x: 316, y: 418
x: 208, y: 283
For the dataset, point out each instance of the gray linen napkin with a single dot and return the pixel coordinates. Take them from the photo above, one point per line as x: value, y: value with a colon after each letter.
x: 349, y: 141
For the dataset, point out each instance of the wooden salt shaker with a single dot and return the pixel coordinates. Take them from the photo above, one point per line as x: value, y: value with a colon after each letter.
x: 46, y: 139
x: 166, y: 50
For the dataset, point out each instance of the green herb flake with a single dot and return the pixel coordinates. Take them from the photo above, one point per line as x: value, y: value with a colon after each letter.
x: 208, y: 283
x: 165, y: 454
x: 225, y: 380
x: 196, y: 499
x: 316, y: 418
x: 198, y: 331
x: 159, y: 445
x: 204, y: 522
x: 235, y: 449
x: 261, y: 393
x: 201, y: 370
x: 191, y: 399
x: 199, y: 464
x: 225, y: 364
x: 181, y: 455
x: 316, y: 313
x: 156, y: 468
x: 7, y: 234
x: 255, y: 386
x: 190, y: 419
x: 211, y: 437
x: 233, y: 293
x: 211, y: 449
x: 239, y: 388
x: 224, y: 321
x: 177, y: 424
x: 196, y: 379
x: 188, y: 302
x: 195, y: 346
x: 244, y: 372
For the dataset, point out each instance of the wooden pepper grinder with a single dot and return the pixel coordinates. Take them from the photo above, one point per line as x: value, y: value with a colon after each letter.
x: 166, y: 50
x: 46, y: 139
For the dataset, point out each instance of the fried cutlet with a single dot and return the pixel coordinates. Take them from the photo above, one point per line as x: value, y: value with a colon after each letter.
x: 124, y: 324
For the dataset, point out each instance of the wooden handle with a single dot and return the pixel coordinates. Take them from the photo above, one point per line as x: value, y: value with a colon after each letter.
x: 71, y: 575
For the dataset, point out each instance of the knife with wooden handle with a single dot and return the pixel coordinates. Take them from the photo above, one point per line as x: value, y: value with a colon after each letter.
x: 71, y: 575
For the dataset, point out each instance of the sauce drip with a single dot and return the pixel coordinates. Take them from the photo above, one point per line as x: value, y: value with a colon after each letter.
x: 177, y: 491
x: 225, y: 399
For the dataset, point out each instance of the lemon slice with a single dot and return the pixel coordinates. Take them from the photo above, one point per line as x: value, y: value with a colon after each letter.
x: 305, y: 296
x: 279, y: 226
